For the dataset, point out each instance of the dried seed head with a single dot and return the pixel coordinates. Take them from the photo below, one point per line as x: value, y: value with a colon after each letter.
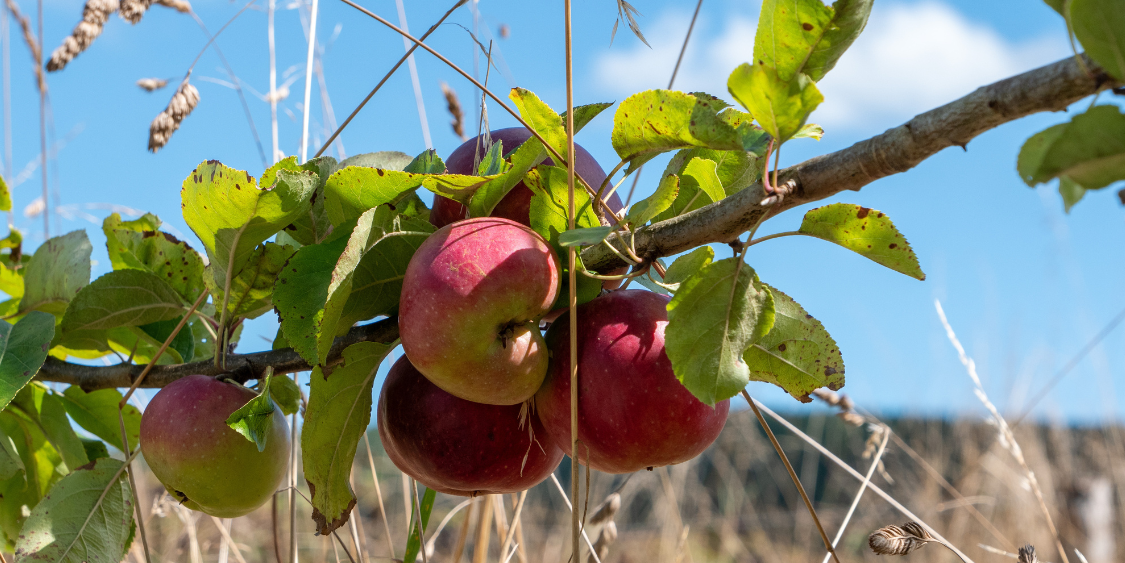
x: 606, y: 510
x: 181, y: 6
x: 1027, y: 555
x: 168, y: 121
x: 133, y: 10
x: 607, y: 536
x: 94, y: 16
x: 152, y: 84
x: 827, y: 395
x: 852, y: 417
x: 899, y: 540
x: 454, y: 104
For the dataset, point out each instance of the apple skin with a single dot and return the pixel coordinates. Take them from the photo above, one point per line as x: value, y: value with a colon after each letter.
x: 456, y: 446
x: 471, y: 300
x: 201, y: 461
x: 632, y: 411
x: 517, y: 204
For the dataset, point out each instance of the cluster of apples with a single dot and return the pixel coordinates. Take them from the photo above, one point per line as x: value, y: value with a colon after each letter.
x: 480, y: 403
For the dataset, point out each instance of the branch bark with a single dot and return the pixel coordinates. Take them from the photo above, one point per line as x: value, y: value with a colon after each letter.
x: 1049, y: 88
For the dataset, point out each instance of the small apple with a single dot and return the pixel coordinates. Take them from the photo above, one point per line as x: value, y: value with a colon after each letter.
x: 202, y: 462
x: 517, y: 204
x: 456, y: 446
x: 471, y: 300
x: 632, y: 411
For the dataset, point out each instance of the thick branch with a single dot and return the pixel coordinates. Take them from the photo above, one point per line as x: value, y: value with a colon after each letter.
x: 241, y: 367
x: 1048, y: 88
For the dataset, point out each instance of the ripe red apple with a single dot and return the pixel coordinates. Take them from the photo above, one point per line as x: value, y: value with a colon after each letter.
x: 632, y: 411
x: 471, y: 300
x: 517, y: 204
x: 456, y: 446
x: 202, y: 462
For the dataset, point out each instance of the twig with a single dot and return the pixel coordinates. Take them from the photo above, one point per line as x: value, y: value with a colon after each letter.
x: 270, y: 11
x: 414, y: 78
x: 379, y: 495
x: 862, y: 489
x: 572, y: 288
x: 160, y: 351
x: 293, y: 556
x: 515, y: 520
x: 226, y: 537
x: 382, y: 81
x: 562, y: 493
x: 792, y: 475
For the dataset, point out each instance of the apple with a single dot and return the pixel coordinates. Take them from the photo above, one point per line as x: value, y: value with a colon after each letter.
x: 517, y: 204
x: 201, y: 461
x: 471, y: 300
x: 632, y: 411
x: 456, y: 446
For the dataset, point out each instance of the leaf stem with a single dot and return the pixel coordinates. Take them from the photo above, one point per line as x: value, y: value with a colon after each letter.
x: 773, y: 236
x: 163, y: 347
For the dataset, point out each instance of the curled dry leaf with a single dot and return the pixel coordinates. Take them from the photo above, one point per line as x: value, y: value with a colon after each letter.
x: 168, y: 121
x: 899, y: 540
x: 152, y: 84
x: 454, y: 104
x: 1027, y: 554
x: 94, y: 16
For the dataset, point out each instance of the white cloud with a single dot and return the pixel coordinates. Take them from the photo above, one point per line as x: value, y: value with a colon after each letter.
x: 912, y: 57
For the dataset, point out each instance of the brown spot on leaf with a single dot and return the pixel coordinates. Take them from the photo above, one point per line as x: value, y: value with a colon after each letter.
x: 893, y: 246
x: 829, y: 371
x: 862, y: 213
x: 807, y: 26
x: 781, y: 347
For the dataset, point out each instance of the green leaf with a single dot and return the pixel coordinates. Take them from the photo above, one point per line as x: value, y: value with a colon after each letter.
x: 313, y: 289
x: 10, y: 462
x: 414, y: 542
x: 584, y: 237
x: 254, y: 419
x: 352, y: 191
x: 426, y: 163
x: 285, y: 394
x: 140, y: 245
x: 1056, y: 5
x: 183, y: 344
x: 387, y: 160
x: 643, y: 211
x: 5, y: 196
x: 43, y: 468
x: 805, y: 36
x: 97, y: 413
x: 491, y: 192
x: 377, y: 280
x: 1090, y: 150
x: 584, y: 114
x: 734, y: 171
x: 95, y: 449
x: 687, y: 265
x: 493, y: 161
x: 658, y: 121
x: 88, y: 516
x: 122, y: 298
x: 867, y: 232
x: 780, y: 106
x: 754, y: 139
x: 314, y: 226
x: 339, y: 412
x: 540, y: 118
x: 59, y: 268
x: 23, y: 349
x: 810, y: 131
x: 43, y: 409
x: 548, y: 212
x: 714, y: 316
x: 1100, y: 26
x: 1071, y: 192
x: 798, y: 354
x: 706, y: 176
x: 232, y: 216
x: 252, y: 289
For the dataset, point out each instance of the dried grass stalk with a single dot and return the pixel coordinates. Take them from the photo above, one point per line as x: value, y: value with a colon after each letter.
x: 94, y: 16
x: 181, y: 6
x: 1027, y: 555
x: 152, y: 84
x: 32, y: 43
x: 133, y: 10
x: 168, y: 121
x: 455, y: 110
x: 607, y: 536
x: 899, y: 540
x: 606, y: 510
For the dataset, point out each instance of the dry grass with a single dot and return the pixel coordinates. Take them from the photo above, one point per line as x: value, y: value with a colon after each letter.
x: 168, y: 121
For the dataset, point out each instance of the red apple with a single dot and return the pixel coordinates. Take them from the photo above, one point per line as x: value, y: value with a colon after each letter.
x: 202, y: 462
x: 456, y: 446
x: 632, y: 411
x: 517, y: 204
x: 471, y: 301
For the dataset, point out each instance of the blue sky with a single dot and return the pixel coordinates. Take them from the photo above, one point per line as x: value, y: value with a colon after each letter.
x: 1024, y: 284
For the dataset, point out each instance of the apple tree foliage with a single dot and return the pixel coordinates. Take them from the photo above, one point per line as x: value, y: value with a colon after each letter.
x: 325, y: 244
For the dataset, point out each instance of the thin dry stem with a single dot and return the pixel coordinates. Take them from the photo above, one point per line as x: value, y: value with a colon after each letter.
x: 792, y: 475
x: 454, y: 106
x: 606, y: 537
x: 484, y: 530
x: 862, y: 488
x: 181, y: 6
x: 379, y: 494
x: 225, y: 533
x: 94, y: 16
x: 1007, y: 438
x: 168, y: 121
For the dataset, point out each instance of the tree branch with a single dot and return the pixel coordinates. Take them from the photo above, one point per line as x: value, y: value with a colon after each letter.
x: 1048, y: 88
x: 241, y: 367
